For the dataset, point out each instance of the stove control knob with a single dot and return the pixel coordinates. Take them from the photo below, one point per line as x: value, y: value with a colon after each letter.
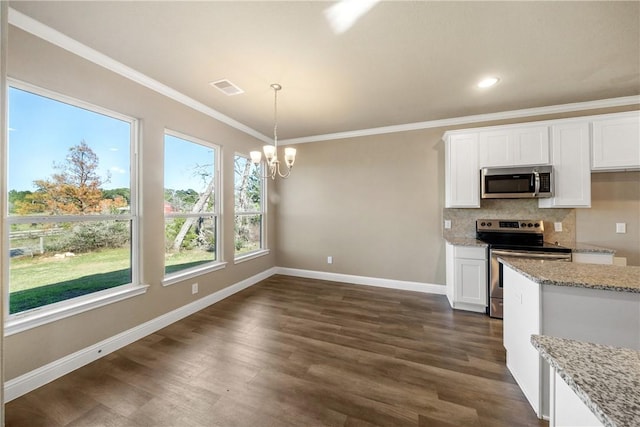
x: 488, y: 224
x: 523, y: 225
x: 536, y: 225
x: 529, y: 225
x: 483, y: 224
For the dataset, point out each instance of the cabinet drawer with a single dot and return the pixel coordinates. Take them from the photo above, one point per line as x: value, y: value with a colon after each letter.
x: 470, y: 252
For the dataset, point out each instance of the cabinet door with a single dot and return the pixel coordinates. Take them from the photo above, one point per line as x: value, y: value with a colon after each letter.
x: 462, y: 174
x: 449, y: 272
x: 495, y: 148
x: 530, y: 146
x: 514, y: 147
x: 572, y: 173
x: 471, y: 281
x: 616, y: 143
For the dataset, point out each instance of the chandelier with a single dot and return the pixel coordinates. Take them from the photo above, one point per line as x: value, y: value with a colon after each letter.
x: 271, y: 151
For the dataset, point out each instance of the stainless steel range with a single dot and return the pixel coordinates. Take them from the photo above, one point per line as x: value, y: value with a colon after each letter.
x: 522, y: 238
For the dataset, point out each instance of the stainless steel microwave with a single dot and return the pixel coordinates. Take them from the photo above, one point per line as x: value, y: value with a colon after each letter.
x: 516, y: 183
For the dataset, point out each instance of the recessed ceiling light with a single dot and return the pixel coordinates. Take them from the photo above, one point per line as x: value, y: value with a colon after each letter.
x: 226, y: 87
x: 488, y: 82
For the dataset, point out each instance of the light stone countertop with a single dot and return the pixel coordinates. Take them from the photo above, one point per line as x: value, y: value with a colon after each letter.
x: 606, y: 379
x: 591, y: 249
x: 594, y: 276
x: 466, y: 241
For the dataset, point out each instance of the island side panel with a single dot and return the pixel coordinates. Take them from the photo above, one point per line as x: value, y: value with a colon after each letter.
x: 592, y: 315
x: 522, y: 299
x: 587, y: 314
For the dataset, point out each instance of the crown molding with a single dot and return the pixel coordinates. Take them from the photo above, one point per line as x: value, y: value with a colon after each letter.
x: 464, y: 120
x: 55, y: 37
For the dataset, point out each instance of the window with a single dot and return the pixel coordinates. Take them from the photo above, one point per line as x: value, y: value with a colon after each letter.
x: 249, y: 207
x: 71, y: 203
x: 191, y: 212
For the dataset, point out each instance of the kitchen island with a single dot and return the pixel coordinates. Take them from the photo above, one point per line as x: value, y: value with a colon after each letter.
x: 593, y: 303
x: 591, y: 384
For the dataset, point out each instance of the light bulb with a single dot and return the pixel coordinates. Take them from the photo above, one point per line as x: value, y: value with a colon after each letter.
x: 289, y: 156
x: 256, y: 157
x: 269, y: 152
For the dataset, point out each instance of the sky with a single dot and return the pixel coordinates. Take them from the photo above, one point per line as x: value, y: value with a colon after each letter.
x: 42, y: 130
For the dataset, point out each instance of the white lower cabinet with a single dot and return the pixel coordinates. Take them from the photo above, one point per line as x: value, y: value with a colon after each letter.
x: 567, y: 409
x: 467, y: 277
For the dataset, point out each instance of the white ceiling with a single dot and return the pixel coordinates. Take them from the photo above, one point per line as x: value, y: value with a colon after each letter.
x: 402, y: 62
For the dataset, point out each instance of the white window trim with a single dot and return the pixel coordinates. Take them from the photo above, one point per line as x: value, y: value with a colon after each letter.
x: 22, y: 321
x: 25, y: 320
x: 248, y: 256
x: 264, y: 249
x: 190, y: 273
x: 218, y: 263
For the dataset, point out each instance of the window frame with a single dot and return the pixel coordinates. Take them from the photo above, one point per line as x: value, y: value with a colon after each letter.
x: 21, y: 321
x: 263, y: 250
x: 218, y: 263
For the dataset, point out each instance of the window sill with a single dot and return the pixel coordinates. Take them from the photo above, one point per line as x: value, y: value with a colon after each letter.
x: 50, y: 313
x: 251, y: 255
x: 191, y: 273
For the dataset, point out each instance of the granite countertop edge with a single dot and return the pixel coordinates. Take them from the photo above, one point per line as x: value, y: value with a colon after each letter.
x: 587, y: 248
x: 584, y: 396
x: 466, y: 241
x: 573, y: 284
x: 604, y: 377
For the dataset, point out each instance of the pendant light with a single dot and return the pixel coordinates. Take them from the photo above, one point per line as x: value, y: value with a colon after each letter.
x: 271, y: 151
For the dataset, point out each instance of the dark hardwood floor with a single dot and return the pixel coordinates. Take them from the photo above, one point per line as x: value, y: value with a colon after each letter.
x: 297, y: 352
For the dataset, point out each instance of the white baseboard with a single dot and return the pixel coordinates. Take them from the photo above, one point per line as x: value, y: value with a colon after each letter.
x: 428, y: 288
x: 38, y: 377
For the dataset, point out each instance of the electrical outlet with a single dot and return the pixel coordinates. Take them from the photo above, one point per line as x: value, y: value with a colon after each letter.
x: 447, y: 224
x: 194, y: 288
x: 329, y: 260
x: 621, y: 227
x: 557, y: 226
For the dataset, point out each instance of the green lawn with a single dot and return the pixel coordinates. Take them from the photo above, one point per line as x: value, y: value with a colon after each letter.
x: 41, y: 280
x: 186, y: 259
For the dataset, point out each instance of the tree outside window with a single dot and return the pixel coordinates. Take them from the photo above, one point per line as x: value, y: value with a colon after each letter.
x: 70, y: 214
x: 190, y: 203
x: 249, y: 206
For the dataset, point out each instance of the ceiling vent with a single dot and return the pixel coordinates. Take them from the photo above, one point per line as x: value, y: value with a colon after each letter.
x: 226, y: 87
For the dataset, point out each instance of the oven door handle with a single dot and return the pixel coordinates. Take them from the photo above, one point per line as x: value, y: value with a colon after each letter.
x: 537, y: 255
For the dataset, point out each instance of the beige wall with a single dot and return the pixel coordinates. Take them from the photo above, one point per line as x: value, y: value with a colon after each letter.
x: 373, y: 203
x: 34, y: 61
x: 615, y: 197
x: 376, y: 204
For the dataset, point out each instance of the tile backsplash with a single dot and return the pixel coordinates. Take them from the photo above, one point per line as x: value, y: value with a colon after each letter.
x: 463, y: 221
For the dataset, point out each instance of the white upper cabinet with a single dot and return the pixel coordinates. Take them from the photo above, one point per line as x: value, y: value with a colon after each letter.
x: 462, y: 174
x: 571, y: 166
x: 514, y: 146
x: 616, y: 142
x: 575, y: 147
